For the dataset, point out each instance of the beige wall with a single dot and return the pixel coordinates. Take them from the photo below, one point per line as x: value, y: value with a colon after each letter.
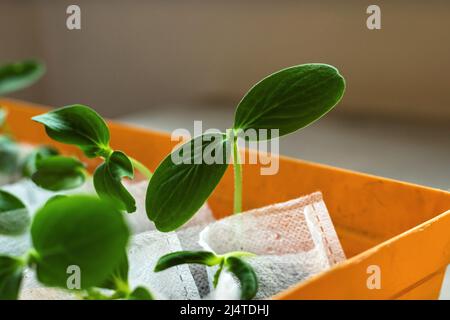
x: 140, y: 54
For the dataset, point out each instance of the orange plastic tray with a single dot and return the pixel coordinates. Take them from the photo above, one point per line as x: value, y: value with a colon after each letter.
x: 401, y: 227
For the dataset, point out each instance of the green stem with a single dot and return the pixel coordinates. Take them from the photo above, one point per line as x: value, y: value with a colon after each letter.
x: 237, y: 177
x: 217, y: 274
x: 141, y: 168
x: 122, y: 290
x: 105, y: 152
x: 30, y: 257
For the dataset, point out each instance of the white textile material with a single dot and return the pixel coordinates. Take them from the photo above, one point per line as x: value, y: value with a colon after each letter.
x: 292, y: 241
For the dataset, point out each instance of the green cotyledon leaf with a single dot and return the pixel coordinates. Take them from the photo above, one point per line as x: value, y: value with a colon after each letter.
x: 181, y: 257
x: 82, y: 231
x: 246, y: 275
x: 289, y: 99
x: 78, y: 125
x: 14, y: 217
x: 185, y: 179
x: 108, y: 180
x: 58, y: 173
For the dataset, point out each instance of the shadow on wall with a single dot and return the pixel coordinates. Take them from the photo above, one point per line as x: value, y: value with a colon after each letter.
x: 140, y: 54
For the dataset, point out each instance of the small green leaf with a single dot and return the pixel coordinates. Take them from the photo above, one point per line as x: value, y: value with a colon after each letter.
x: 78, y: 125
x: 14, y: 218
x: 8, y: 202
x: 19, y: 75
x: 10, y: 277
x: 57, y: 173
x: 9, y: 155
x: 120, y: 165
x: 290, y: 99
x: 246, y: 275
x: 178, y: 188
x: 140, y: 293
x: 30, y: 163
x: 108, y: 180
x: 181, y: 257
x: 78, y: 230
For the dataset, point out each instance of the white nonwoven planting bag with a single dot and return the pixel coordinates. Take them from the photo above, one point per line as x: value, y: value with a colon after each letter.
x: 188, y: 238
x: 292, y: 241
x: 174, y: 283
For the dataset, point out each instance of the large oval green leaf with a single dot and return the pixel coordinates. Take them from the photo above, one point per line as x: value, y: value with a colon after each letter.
x: 10, y: 277
x: 14, y: 217
x: 178, y: 189
x: 58, y: 173
x: 290, y: 99
x: 19, y: 75
x: 82, y: 231
x: 108, y: 184
x: 78, y: 125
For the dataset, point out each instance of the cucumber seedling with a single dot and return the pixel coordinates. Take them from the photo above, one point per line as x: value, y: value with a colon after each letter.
x: 81, y: 126
x: 285, y: 101
x: 232, y: 261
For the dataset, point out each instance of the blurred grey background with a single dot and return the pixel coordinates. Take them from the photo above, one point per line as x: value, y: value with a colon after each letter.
x: 163, y: 64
